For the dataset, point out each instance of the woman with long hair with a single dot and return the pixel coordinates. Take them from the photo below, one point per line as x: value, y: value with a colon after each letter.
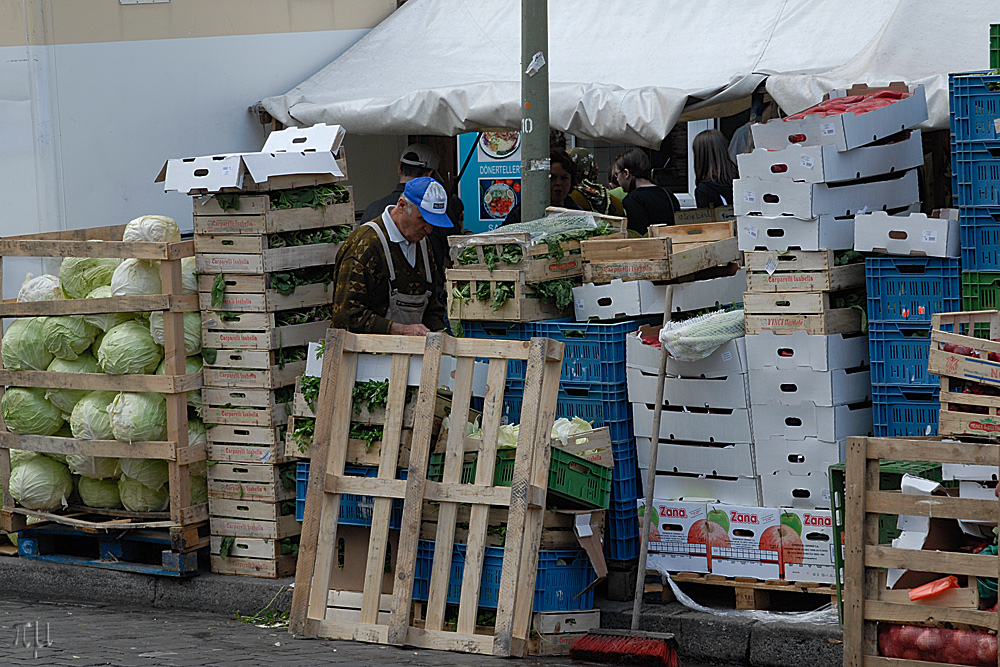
x: 714, y: 170
x: 646, y: 203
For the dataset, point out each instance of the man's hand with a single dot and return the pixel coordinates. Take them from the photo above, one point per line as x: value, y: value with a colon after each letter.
x: 408, y: 329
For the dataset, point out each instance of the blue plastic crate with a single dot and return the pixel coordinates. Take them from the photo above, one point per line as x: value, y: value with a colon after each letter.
x: 899, y: 353
x: 912, y: 289
x: 501, y: 330
x: 354, y: 510
x: 562, y: 576
x: 600, y: 404
x: 905, y: 411
x: 973, y: 106
x: 621, y: 532
x: 594, y: 353
x: 980, y: 231
x: 975, y: 173
x: 625, y: 479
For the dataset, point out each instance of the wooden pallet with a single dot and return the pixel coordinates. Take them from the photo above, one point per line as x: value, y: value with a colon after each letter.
x: 245, y: 481
x: 798, y: 271
x: 864, y: 601
x: 184, y: 519
x: 524, y: 306
x: 756, y: 594
x: 243, y: 407
x: 256, y: 331
x: 248, y: 294
x: 525, y: 498
x: 659, y: 258
x: 255, y: 216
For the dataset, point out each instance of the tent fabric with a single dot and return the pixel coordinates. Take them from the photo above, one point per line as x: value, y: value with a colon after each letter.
x: 629, y: 71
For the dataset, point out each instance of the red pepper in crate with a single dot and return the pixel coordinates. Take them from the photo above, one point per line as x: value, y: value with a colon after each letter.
x: 650, y: 340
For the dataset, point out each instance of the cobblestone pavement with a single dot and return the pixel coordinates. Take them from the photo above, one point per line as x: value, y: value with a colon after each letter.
x: 83, y: 635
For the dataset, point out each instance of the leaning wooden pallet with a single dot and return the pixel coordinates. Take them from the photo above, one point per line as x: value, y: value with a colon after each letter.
x: 184, y: 522
x: 525, y: 498
x: 866, y: 601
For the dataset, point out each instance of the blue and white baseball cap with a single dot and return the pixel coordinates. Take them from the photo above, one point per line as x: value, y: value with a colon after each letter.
x: 430, y: 196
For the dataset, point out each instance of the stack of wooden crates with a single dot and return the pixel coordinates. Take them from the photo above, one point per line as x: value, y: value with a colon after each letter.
x: 265, y: 293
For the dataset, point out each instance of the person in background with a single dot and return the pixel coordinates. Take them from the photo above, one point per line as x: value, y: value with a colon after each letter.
x: 615, y: 190
x: 646, y: 203
x: 589, y: 194
x: 714, y: 172
x: 560, y: 184
x: 384, y: 274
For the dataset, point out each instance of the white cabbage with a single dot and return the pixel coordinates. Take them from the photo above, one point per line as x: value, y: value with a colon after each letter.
x: 67, y: 336
x: 137, y: 497
x: 152, y: 229
x: 129, y: 349
x: 79, y: 276
x: 43, y: 288
x: 152, y: 473
x: 19, y: 456
x: 99, y: 493
x: 93, y: 467
x: 23, y: 348
x: 136, y: 277
x: 105, y: 321
x: 90, y: 419
x: 137, y: 417
x: 189, y: 276
x: 66, y: 399
x: 192, y: 366
x: 26, y: 412
x: 192, y: 331
x: 41, y: 484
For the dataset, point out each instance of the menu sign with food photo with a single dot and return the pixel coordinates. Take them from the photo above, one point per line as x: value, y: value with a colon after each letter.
x: 491, y: 185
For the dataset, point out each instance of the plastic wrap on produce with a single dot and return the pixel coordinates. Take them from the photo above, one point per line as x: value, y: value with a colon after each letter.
x: 827, y: 614
x: 539, y: 231
x: 699, y: 337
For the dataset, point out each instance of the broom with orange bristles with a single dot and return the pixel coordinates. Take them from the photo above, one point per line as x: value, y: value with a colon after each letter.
x: 632, y: 647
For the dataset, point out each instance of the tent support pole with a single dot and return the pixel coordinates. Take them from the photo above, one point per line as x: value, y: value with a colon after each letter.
x: 534, y: 109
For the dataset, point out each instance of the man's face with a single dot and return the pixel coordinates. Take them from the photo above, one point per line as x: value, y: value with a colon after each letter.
x: 559, y: 184
x: 410, y: 223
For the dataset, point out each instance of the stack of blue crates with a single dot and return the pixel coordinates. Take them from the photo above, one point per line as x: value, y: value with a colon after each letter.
x: 903, y: 294
x: 593, y: 387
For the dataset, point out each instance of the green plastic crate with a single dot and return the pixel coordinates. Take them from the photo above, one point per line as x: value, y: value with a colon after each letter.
x: 571, y: 477
x: 890, y: 477
x: 995, y: 46
x: 980, y: 290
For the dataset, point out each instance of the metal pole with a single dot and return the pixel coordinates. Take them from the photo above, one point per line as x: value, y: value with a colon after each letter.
x: 534, y: 109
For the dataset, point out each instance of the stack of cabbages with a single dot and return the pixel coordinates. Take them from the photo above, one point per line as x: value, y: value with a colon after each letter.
x: 117, y: 344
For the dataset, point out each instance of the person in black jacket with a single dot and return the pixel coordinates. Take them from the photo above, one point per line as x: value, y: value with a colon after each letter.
x: 714, y: 171
x: 646, y: 203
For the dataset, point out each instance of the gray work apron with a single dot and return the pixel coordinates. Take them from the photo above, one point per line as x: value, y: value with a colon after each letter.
x: 404, y: 308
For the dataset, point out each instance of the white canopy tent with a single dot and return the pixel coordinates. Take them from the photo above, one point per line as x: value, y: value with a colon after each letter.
x: 628, y: 71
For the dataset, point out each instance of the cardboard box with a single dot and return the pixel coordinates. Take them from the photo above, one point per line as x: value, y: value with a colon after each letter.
x: 777, y: 196
x: 912, y: 234
x: 730, y: 359
x: 783, y: 489
x: 349, y: 575
x: 825, y: 164
x: 800, y: 385
x: 619, y: 299
x: 969, y: 472
x: 808, y: 420
x: 812, y: 558
x: 798, y: 457
x: 726, y: 392
x: 754, y: 548
x: 704, y: 488
x: 783, y: 232
x: 293, y: 151
x: 728, y: 426
x: 845, y: 131
x: 799, y: 349
x: 717, y: 459
x: 681, y: 542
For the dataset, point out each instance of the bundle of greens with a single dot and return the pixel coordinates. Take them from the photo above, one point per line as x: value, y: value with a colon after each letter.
x: 285, y: 282
x: 318, y: 196
x: 370, y: 433
x: 310, y: 390
x: 509, y: 254
x: 303, y: 432
x: 557, y: 292
x: 309, y: 237
x: 303, y: 315
x: 555, y: 241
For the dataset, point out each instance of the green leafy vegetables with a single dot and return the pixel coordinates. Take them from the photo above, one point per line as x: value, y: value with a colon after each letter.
x: 557, y: 292
x: 309, y: 237
x: 370, y: 433
x: 285, y: 282
x: 303, y: 315
x: 310, y: 390
x: 312, y: 197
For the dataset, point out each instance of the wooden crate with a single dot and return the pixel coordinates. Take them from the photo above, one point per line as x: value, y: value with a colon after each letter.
x: 865, y: 603
x: 799, y: 271
x: 184, y: 519
x: 659, y: 258
x: 687, y: 236
x: 837, y: 321
x: 255, y: 216
x: 240, y: 453
x: 251, y: 557
x: 251, y: 369
x: 249, y: 294
x: 522, y: 307
x: 245, y: 254
x: 256, y: 331
x: 253, y: 518
x: 247, y: 481
x: 243, y: 407
x: 245, y: 435
x: 783, y: 303
x: 967, y: 413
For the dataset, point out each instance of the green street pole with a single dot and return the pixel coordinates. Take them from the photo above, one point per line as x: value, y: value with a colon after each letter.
x: 534, y: 109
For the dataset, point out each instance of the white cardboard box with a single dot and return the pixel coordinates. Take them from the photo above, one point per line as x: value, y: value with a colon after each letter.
x: 777, y: 196
x: 730, y: 359
x: 800, y: 349
x: 808, y: 420
x: 799, y: 385
x: 728, y: 392
x: 728, y: 426
x: 797, y: 457
x: 809, y: 491
x: 727, y: 460
x: 813, y: 560
x: 309, y: 150
x: 913, y: 234
x: 978, y: 490
x: 825, y: 164
x: 681, y: 543
x: 969, y: 471
x: 845, y: 131
x: 641, y: 297
x: 754, y: 548
x: 782, y: 232
x: 704, y: 488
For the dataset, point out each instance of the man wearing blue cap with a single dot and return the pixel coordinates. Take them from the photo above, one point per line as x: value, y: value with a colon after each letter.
x: 384, y: 282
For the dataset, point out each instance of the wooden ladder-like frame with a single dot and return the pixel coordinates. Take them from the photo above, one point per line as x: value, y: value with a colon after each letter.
x: 387, y: 619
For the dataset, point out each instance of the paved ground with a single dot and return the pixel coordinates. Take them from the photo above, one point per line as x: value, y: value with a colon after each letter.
x: 83, y: 635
